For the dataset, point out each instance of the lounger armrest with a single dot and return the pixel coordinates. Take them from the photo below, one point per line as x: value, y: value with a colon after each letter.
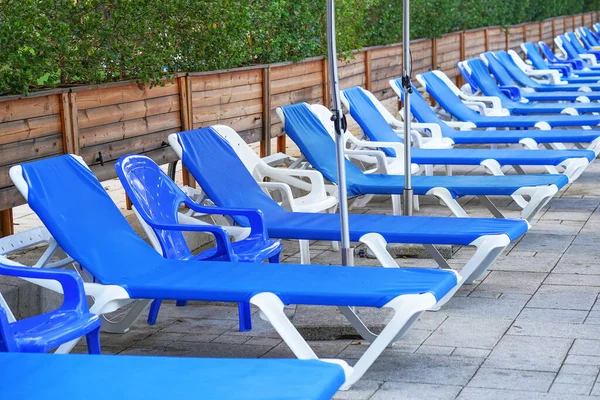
x: 434, y: 129
x: 380, y: 158
x: 71, y: 283
x: 494, y: 101
x: 478, y: 105
x: 255, y: 218
x: 221, y: 237
x: 316, y: 184
x: 589, y: 58
x: 396, y: 146
x: 552, y: 75
x: 511, y: 91
x: 564, y: 69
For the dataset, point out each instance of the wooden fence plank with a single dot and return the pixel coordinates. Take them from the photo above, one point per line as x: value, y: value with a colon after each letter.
x: 265, y: 141
x: 7, y: 226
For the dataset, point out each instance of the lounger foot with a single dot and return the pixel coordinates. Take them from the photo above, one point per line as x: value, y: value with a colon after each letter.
x: 181, y: 303
x: 93, y: 341
x: 245, y: 317
x: 153, y: 314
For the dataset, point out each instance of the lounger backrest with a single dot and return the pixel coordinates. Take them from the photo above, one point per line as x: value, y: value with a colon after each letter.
x: 446, y: 97
x: 82, y: 217
x: 313, y: 140
x: 488, y: 85
x: 513, y: 69
x: 574, y: 40
x: 501, y: 74
x: 534, y: 56
x: 160, y: 205
x: 221, y: 174
x: 590, y: 35
x: 547, y: 52
x: 568, y: 47
x: 370, y: 120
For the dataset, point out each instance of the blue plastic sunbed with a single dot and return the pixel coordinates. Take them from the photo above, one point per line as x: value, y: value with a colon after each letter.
x: 530, y: 138
x: 577, y: 64
x: 88, y: 226
x: 574, y: 41
x: 365, y: 112
x: 478, y: 74
x: 571, y: 53
x: 526, y: 81
x: 101, y: 377
x: 588, y: 37
x: 309, y: 134
x: 436, y: 84
x: 566, y: 70
x: 206, y: 153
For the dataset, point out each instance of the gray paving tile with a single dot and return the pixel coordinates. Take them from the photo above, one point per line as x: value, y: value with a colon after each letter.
x: 469, y: 332
x: 361, y: 390
x: 502, y: 307
x: 415, y: 391
x: 552, y: 315
x: 549, y: 243
x: 512, y: 282
x: 424, y: 368
x: 529, y: 353
x: 564, y: 297
x: 530, y: 381
x: 469, y: 352
x: 469, y: 393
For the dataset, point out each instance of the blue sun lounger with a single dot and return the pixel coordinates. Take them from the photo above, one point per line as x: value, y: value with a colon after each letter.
x: 62, y: 191
x: 566, y: 70
x: 49, y: 376
x: 478, y: 76
x: 526, y: 81
x: 530, y: 138
x: 439, y: 86
x: 363, y: 109
x: 588, y: 37
x: 311, y: 136
x: 207, y: 152
x: 576, y: 44
x: 571, y: 53
x: 576, y: 64
x: 507, y: 81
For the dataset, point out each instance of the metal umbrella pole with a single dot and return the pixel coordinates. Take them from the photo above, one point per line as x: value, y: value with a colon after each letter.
x: 407, y: 196
x: 339, y: 122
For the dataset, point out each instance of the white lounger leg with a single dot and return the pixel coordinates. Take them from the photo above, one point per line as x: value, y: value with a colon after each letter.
x: 304, y: 251
x: 122, y: 326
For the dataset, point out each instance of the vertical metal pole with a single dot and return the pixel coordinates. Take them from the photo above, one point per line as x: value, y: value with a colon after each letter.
x: 339, y: 123
x: 407, y: 204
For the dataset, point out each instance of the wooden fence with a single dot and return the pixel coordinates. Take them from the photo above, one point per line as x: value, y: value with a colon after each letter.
x: 103, y: 122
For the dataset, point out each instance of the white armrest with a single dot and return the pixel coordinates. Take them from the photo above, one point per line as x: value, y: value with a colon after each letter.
x: 435, y: 129
x: 396, y: 146
x: 552, y: 74
x: 379, y: 156
x: 590, y: 58
x: 495, y: 101
x: 461, y: 125
x: 316, y: 184
x: 477, y: 105
x: 283, y: 188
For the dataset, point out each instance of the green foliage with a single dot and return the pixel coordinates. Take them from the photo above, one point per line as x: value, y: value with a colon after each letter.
x: 49, y: 43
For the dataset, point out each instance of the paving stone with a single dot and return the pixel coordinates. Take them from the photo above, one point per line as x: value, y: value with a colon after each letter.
x: 323, y: 349
x: 197, y: 349
x: 575, y: 379
x: 424, y: 368
x: 503, y: 307
x: 473, y: 332
x: 495, y: 378
x: 573, y: 280
x: 361, y: 390
x: 565, y: 297
x: 520, y: 263
x: 470, y: 393
x: 441, y: 350
x: 415, y: 391
x: 552, y: 315
x: 189, y: 325
x: 549, y: 243
x: 512, y: 282
x: 231, y: 339
x: 468, y: 352
x: 579, y: 370
x: 529, y: 353
x: 552, y: 329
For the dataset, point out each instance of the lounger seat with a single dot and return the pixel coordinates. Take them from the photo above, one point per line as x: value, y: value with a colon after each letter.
x: 481, y: 77
x: 89, y: 227
x: 47, y: 376
x: 440, y: 91
x: 567, y: 71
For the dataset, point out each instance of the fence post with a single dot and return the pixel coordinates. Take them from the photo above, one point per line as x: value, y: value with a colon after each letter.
x: 486, y: 35
x: 553, y: 33
x: 265, y: 144
x: 74, y: 114
x: 7, y: 226
x: 541, y: 29
x: 506, y: 38
x: 368, y: 70
x: 525, y: 32
x: 185, y: 106
x: 462, y: 53
x: 434, y: 53
x: 326, y: 94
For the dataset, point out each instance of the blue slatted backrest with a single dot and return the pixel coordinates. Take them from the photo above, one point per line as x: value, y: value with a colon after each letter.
x: 499, y: 71
x: 447, y: 99
x: 481, y: 75
x: 85, y: 221
x: 574, y: 40
x: 221, y: 174
x: 513, y: 69
x: 369, y: 119
x: 569, y: 48
x: 535, y: 57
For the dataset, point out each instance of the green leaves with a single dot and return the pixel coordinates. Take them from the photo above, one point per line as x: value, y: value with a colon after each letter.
x: 47, y: 43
